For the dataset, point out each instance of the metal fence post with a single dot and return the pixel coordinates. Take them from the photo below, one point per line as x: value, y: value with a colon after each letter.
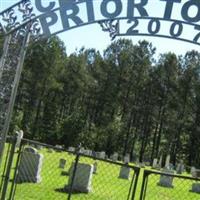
x: 74, y: 172
x: 5, y: 164
x: 144, y: 185
x: 13, y: 186
x: 137, y: 172
x: 9, y: 167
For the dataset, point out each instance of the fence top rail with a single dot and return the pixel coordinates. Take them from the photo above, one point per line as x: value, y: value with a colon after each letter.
x: 26, y: 141
x: 111, y: 162
x: 149, y: 172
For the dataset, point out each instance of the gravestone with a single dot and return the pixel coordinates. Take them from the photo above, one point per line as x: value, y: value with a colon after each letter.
x: 193, y: 172
x: 95, y: 168
x: 196, y: 187
x: 166, y: 181
x: 160, y: 161
x: 83, y: 178
x: 127, y: 158
x: 171, y: 166
x: 167, y: 162
x: 97, y: 154
x: 30, y: 166
x: 58, y: 148
x: 20, y: 135
x: 180, y: 168
x: 62, y: 163
x: 155, y: 163
x: 102, y: 155
x: 114, y: 157
x: 87, y: 152
x: 124, y: 172
x: 72, y: 149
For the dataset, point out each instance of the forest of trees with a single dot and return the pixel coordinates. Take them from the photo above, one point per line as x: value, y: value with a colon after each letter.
x: 122, y: 101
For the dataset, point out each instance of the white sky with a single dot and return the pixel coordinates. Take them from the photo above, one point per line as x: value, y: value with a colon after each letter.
x: 92, y: 36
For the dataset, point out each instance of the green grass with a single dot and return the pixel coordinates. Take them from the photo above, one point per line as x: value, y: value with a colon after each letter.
x: 105, y: 184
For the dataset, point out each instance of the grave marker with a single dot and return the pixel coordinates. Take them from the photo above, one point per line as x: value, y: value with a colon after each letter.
x: 83, y: 178
x: 124, y: 172
x: 166, y: 181
x: 30, y: 166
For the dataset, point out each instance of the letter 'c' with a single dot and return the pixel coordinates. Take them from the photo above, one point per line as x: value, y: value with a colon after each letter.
x: 118, y: 8
x: 185, y: 9
x: 38, y: 4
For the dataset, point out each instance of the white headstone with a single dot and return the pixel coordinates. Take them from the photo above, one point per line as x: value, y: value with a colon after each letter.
x: 180, y: 168
x: 196, y: 173
x: 20, y: 135
x: 83, y: 178
x: 30, y: 166
x: 155, y: 163
x: 71, y: 149
x: 102, y: 155
x: 127, y: 158
x: 166, y: 181
x: 87, y: 152
x: 160, y: 162
x: 167, y: 161
x: 193, y: 172
x: 114, y: 157
x: 124, y: 172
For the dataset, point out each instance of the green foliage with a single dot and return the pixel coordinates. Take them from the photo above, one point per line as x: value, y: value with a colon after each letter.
x: 123, y: 101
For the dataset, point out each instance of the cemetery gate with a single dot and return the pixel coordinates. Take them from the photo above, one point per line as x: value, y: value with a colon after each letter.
x: 158, y: 185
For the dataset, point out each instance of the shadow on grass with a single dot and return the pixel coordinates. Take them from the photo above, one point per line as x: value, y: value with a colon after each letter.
x: 66, y: 190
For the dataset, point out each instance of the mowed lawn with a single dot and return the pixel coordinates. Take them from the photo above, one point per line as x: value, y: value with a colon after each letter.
x: 106, y: 184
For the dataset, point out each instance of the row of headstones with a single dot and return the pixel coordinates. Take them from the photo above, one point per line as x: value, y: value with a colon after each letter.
x: 167, y: 181
x: 101, y: 155
x: 158, y: 165
x: 31, y: 165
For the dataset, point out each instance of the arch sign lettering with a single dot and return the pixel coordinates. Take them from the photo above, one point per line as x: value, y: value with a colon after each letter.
x: 33, y: 19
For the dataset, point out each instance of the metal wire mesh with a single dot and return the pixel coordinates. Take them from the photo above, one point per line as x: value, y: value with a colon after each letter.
x: 170, y: 187
x: 44, y: 176
x: 107, y: 181
x: 53, y: 173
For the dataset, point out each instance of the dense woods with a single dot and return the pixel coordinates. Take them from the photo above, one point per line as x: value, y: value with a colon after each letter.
x: 122, y: 101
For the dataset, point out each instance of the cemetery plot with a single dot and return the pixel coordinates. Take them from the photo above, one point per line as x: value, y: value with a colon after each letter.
x: 54, y: 170
x: 110, y: 181
x: 47, y: 173
x: 167, y: 185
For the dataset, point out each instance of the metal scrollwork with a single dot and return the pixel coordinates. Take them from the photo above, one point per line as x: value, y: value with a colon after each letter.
x: 10, y: 18
x: 111, y: 26
x: 21, y: 17
x: 26, y: 9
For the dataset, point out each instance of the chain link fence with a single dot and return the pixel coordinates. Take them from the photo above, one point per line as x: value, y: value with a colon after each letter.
x: 8, y: 166
x: 168, y: 186
x: 43, y: 172
x: 36, y: 171
x: 109, y: 180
